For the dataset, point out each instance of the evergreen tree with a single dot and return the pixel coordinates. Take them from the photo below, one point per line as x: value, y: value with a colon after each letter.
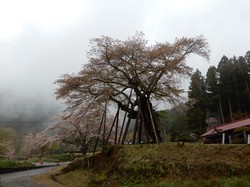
x: 224, y: 95
x: 212, y: 89
x: 233, y: 84
x: 241, y: 76
x: 247, y: 58
x: 196, y: 112
x: 226, y: 88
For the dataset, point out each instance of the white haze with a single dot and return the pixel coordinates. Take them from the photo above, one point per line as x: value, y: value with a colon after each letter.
x: 41, y: 40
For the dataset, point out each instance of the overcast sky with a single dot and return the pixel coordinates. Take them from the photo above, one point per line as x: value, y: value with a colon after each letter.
x: 42, y: 39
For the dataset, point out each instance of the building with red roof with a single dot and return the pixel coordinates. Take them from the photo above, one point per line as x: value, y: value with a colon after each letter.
x: 234, y: 132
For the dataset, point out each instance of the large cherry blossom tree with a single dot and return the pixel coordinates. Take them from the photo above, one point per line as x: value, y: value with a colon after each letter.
x: 134, y: 75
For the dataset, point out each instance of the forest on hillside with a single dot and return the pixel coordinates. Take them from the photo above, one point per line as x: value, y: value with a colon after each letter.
x: 220, y: 97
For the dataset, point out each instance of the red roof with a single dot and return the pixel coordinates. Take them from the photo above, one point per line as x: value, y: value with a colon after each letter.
x: 230, y: 126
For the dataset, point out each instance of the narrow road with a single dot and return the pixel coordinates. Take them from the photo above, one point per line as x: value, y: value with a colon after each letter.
x: 22, y: 178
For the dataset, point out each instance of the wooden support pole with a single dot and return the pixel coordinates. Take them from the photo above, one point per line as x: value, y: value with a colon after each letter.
x: 124, y: 118
x: 136, y: 128
x: 126, y: 130
x: 152, y: 121
x: 99, y: 131
x: 104, y: 125
x: 123, y: 123
x: 139, y: 136
x: 116, y: 127
x: 114, y: 122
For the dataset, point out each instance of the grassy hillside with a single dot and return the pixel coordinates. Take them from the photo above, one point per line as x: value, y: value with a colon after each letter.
x: 160, y: 165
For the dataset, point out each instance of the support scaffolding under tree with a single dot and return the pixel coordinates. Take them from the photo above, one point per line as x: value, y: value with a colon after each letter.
x: 147, y: 128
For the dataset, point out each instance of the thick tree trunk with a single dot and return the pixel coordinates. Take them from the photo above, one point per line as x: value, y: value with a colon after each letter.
x: 238, y: 98
x: 84, y: 148
x: 248, y: 91
x: 221, y: 113
x: 150, y: 124
x: 230, y: 109
x: 147, y: 124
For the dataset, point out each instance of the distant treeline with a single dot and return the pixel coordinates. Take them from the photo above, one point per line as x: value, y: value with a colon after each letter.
x: 222, y: 96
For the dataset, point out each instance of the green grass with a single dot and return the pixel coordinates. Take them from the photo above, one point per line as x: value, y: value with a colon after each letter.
x: 13, y: 164
x: 162, y: 165
x: 239, y: 181
x: 81, y: 178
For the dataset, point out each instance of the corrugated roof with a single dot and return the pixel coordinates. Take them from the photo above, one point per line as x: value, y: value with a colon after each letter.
x: 227, y: 127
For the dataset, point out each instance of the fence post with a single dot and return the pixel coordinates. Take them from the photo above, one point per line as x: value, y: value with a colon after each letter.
x: 248, y: 139
x: 223, y: 138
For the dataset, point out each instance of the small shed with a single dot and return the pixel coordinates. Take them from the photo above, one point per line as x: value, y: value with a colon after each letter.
x: 234, y: 132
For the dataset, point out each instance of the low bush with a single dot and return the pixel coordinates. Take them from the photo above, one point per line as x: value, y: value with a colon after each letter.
x: 14, y: 164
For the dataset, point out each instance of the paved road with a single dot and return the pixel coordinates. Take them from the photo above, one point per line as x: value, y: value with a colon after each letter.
x: 22, y: 178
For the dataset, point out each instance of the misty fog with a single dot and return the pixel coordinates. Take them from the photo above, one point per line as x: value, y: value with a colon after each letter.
x: 42, y: 40
x: 25, y: 114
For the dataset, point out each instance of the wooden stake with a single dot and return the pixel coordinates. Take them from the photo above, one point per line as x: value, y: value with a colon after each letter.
x: 124, y: 118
